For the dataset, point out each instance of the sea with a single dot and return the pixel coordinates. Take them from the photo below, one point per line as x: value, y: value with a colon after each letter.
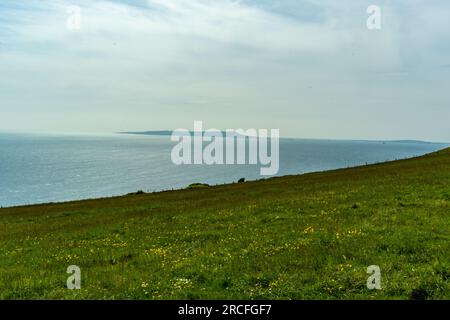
x: 44, y: 168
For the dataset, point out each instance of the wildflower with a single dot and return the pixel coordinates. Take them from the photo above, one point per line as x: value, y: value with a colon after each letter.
x: 309, y: 230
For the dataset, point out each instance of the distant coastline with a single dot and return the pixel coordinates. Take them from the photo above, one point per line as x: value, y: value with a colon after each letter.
x: 149, y: 133
x: 169, y: 133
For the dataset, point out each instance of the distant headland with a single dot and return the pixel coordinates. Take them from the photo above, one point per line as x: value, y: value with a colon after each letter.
x: 170, y: 132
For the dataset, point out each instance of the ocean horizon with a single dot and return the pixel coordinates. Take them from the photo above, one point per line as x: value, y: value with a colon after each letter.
x: 44, y: 168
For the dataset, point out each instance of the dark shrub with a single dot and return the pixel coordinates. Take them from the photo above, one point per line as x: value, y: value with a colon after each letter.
x: 198, y: 185
x: 139, y: 192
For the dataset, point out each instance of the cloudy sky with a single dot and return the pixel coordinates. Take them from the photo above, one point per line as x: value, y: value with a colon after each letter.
x: 310, y: 68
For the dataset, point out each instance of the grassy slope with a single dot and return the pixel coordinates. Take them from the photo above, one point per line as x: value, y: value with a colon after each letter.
x: 297, y: 237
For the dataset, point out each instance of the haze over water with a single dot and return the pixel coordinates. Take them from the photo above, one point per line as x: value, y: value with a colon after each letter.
x: 53, y: 168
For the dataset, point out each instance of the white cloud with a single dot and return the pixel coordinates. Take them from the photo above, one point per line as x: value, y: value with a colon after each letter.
x: 229, y: 62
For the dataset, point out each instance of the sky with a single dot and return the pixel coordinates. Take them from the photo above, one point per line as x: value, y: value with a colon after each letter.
x: 307, y: 67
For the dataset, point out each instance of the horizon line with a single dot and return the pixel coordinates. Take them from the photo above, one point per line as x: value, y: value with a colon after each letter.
x: 155, y: 133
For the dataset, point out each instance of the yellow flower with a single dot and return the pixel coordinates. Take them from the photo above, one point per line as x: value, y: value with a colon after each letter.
x: 309, y: 230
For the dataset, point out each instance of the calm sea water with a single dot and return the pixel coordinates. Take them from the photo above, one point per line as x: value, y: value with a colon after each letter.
x: 51, y: 168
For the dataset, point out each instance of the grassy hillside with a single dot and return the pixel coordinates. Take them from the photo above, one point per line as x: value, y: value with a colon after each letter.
x: 296, y: 237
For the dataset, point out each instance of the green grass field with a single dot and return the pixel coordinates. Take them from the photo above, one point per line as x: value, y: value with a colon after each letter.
x: 297, y: 237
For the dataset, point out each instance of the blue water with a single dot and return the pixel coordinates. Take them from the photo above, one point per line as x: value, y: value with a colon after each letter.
x: 52, y: 168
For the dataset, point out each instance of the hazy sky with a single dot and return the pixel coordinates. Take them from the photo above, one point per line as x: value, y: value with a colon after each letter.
x: 310, y: 68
